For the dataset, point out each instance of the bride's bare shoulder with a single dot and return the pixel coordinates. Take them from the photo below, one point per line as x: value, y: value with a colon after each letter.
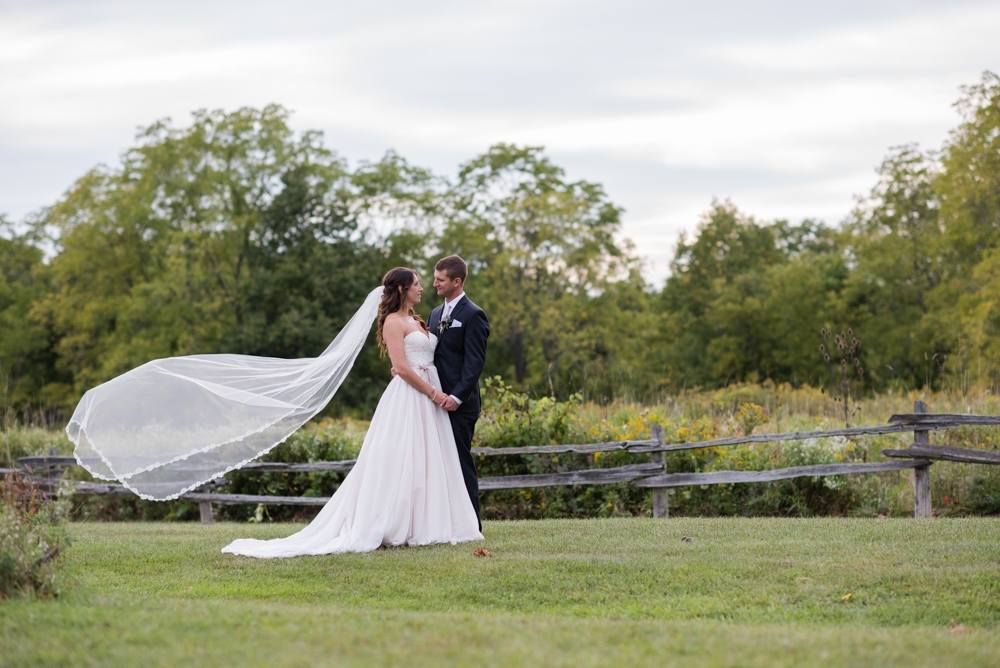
x: 394, y: 323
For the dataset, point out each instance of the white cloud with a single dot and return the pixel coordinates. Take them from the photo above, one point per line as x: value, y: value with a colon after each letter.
x: 786, y: 129
x: 788, y: 126
x: 953, y: 36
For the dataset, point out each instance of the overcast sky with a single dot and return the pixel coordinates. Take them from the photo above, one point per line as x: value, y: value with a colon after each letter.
x: 786, y: 108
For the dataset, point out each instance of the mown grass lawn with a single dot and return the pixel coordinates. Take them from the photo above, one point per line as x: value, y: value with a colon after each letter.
x: 744, y: 592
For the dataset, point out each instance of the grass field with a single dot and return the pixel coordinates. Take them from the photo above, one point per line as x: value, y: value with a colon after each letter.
x: 744, y: 592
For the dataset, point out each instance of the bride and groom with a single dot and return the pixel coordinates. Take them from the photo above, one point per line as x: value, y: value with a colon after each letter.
x: 170, y: 425
x: 415, y: 479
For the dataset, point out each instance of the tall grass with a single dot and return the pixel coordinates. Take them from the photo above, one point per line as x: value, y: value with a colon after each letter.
x: 512, y: 418
x: 705, y: 415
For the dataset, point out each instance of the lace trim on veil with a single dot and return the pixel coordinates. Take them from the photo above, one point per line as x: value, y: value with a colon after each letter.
x: 137, y: 424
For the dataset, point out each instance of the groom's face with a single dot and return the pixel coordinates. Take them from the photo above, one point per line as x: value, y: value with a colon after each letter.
x: 446, y: 287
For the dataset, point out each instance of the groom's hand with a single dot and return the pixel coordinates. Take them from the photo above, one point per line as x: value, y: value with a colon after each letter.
x: 448, y: 403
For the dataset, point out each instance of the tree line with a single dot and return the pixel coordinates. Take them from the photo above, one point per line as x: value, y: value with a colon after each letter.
x: 236, y: 234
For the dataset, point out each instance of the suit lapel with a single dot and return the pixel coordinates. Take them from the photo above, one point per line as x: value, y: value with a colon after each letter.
x: 459, y: 307
x: 435, y: 318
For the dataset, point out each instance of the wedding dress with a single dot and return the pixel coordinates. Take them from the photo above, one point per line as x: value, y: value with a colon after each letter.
x: 406, y: 487
x: 171, y: 425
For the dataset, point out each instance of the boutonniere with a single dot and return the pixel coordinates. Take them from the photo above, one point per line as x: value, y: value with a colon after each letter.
x: 444, y: 324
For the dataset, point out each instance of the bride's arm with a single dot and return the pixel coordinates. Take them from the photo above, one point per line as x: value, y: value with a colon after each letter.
x: 393, y: 332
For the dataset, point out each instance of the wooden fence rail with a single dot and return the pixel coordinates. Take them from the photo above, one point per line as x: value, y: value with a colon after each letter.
x: 653, y: 475
x: 813, y: 471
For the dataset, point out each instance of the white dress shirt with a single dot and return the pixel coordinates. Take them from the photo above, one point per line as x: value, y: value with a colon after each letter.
x: 449, y: 306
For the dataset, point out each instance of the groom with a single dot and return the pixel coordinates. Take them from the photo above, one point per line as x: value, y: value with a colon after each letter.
x: 462, y: 330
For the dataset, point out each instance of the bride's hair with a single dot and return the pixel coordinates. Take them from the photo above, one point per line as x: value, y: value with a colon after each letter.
x: 395, y: 283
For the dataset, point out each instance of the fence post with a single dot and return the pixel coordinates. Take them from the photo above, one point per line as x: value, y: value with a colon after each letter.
x: 921, y: 474
x: 51, y: 472
x: 206, y: 512
x: 659, y: 493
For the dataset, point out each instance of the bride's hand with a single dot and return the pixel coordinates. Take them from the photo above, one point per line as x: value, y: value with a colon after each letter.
x: 393, y: 372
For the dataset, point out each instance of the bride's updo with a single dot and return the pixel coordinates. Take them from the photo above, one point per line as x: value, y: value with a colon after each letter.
x: 395, y: 283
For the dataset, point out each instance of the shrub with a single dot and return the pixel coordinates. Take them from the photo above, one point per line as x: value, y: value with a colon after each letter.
x: 33, y: 535
x: 511, y: 419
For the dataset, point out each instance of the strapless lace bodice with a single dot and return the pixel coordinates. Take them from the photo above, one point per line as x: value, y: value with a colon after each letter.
x: 419, y: 349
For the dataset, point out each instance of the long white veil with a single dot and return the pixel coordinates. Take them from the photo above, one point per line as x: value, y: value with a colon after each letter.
x: 173, y: 424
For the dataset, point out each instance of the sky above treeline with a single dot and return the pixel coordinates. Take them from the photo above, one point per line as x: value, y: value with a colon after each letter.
x: 786, y: 107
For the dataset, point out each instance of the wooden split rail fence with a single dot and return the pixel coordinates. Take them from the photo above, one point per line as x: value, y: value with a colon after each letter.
x: 918, y: 456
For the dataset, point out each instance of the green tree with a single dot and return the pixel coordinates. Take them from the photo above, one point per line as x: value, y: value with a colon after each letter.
x: 968, y: 299
x: 803, y: 295
x: 894, y: 242
x: 969, y: 183
x: 540, y: 249
x: 27, y: 374
x: 746, y: 301
x: 712, y: 325
x: 236, y: 234
x: 232, y: 234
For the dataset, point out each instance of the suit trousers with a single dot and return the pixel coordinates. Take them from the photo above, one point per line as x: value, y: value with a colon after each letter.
x: 463, y: 423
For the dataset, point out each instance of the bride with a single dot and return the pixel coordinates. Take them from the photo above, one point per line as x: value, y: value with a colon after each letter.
x: 406, y: 487
x: 169, y: 426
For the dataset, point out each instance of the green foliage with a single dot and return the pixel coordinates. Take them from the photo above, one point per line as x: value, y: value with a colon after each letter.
x: 984, y: 493
x: 798, y: 497
x: 26, y: 361
x: 229, y: 235
x: 969, y: 185
x: 33, y: 537
x: 895, y: 242
x: 969, y: 194
x: 514, y: 419
x: 541, y: 252
x: 741, y: 299
x: 749, y: 417
x: 236, y: 234
x: 914, y: 268
x: 21, y: 440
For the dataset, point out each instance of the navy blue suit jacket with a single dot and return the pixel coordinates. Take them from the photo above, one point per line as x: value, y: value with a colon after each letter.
x: 461, y: 352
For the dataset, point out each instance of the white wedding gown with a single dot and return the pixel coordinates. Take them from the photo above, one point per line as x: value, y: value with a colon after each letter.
x: 406, y: 487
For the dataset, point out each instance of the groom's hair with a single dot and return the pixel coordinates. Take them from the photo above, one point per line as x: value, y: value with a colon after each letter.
x: 454, y: 266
